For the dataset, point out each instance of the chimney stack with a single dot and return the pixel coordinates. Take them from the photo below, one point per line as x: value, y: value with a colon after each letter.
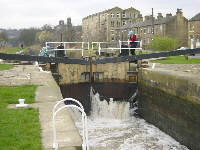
x: 147, y: 18
x: 61, y: 22
x: 179, y: 12
x: 168, y: 15
x: 159, y: 16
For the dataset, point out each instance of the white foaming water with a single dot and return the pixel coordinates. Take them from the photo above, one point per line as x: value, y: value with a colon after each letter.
x: 111, y: 127
x: 111, y: 110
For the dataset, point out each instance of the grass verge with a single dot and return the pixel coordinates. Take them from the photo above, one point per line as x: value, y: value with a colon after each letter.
x: 12, y: 50
x: 5, y: 67
x: 20, y: 128
x: 177, y: 60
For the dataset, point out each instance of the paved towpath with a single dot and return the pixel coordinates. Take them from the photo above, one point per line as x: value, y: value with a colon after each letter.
x: 46, y: 96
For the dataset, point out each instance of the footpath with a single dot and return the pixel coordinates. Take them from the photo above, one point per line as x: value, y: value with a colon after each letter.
x: 46, y: 96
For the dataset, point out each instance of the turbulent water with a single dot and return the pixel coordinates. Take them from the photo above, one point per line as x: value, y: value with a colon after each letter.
x: 112, y: 126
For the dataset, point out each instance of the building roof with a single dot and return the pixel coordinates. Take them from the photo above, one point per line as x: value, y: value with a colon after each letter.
x: 108, y: 10
x: 196, y: 17
x: 147, y: 23
x: 131, y: 8
x: 103, y: 12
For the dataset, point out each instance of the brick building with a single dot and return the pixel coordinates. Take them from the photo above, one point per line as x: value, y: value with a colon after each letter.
x: 175, y: 27
x: 103, y: 26
x: 194, y: 32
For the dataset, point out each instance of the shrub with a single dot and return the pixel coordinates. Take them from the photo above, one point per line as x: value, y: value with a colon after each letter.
x: 162, y: 44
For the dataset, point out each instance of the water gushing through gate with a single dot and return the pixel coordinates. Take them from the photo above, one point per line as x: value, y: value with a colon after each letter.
x: 112, y: 126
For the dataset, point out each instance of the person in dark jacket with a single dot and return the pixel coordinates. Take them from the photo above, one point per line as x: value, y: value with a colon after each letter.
x: 60, y: 53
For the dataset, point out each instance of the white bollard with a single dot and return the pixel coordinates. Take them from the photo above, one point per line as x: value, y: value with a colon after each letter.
x: 99, y: 49
x: 36, y: 64
x: 21, y: 103
x: 120, y: 46
x: 153, y: 66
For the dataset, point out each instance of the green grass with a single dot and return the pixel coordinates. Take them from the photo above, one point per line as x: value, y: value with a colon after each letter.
x: 178, y: 60
x: 19, y: 128
x: 13, y: 50
x: 5, y: 67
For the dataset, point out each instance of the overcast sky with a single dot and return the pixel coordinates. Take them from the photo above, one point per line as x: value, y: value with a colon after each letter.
x: 36, y: 13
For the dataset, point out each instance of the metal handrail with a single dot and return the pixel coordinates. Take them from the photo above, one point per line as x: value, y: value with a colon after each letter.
x: 85, y: 145
x: 65, y: 49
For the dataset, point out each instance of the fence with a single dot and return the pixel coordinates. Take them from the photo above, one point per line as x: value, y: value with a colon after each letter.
x: 65, y: 49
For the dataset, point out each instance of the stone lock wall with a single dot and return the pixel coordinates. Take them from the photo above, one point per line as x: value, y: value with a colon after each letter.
x: 110, y: 72
x: 171, y: 103
x: 73, y: 73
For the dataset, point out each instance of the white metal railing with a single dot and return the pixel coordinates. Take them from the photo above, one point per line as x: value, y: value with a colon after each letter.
x: 99, y: 46
x: 120, y: 48
x: 128, y: 42
x: 65, y: 49
x: 85, y: 145
x: 88, y: 46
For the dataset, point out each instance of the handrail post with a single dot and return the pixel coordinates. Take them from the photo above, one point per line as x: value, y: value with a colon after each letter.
x: 128, y: 47
x: 82, y: 48
x: 91, y: 70
x: 120, y: 46
x: 99, y: 48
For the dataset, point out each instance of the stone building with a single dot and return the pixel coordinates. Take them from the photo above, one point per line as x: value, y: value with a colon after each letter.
x: 171, y: 26
x: 194, y: 32
x: 68, y: 31
x: 102, y: 26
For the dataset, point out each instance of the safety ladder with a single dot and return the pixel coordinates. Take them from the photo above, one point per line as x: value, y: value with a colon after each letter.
x: 85, y: 145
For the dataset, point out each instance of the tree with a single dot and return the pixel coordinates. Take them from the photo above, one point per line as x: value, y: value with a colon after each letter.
x: 3, y: 36
x: 162, y: 43
x: 45, y: 36
x: 28, y: 36
x: 47, y: 27
x: 3, y: 39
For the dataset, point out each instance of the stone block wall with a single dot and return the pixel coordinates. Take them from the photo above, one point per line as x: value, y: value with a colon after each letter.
x: 110, y: 72
x: 172, y: 104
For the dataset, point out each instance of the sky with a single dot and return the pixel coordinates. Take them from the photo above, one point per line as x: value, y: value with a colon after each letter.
x: 16, y: 14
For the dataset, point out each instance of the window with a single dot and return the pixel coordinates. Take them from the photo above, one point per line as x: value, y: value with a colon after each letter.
x: 198, y: 43
x: 118, y: 15
x: 161, y: 28
x: 191, y: 27
x: 113, y: 38
x: 134, y: 15
x: 144, y: 30
x: 112, y: 23
x: 138, y: 30
x: 118, y: 23
x: 148, y: 40
x: 123, y: 15
x: 130, y: 15
x: 144, y: 41
x: 157, y: 29
x: 123, y: 22
x: 191, y: 36
x: 112, y: 15
x: 149, y: 30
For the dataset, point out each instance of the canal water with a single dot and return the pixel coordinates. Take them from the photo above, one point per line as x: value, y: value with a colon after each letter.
x: 112, y: 125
